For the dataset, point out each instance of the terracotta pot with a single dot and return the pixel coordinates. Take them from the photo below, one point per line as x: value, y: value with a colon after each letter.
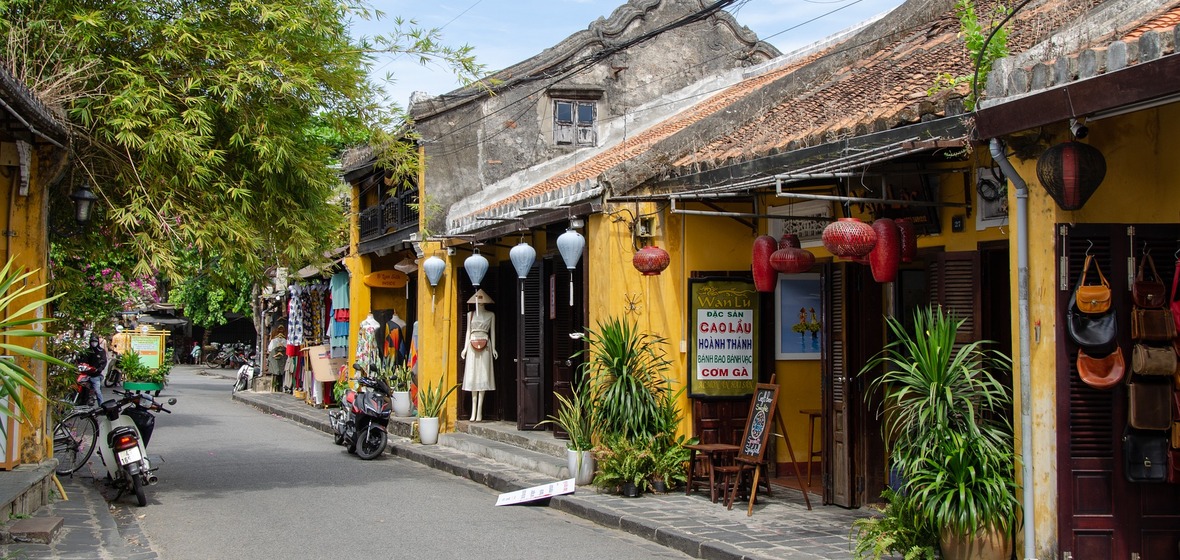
x: 909, y: 239
x: 651, y: 260
x: 886, y: 253
x: 986, y: 545
x: 764, y: 274
x: 849, y: 238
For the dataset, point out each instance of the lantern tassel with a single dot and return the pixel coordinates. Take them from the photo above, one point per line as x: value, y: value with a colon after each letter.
x: 571, y: 289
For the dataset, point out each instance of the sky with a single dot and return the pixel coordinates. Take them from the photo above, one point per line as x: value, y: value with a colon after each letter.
x: 504, y: 32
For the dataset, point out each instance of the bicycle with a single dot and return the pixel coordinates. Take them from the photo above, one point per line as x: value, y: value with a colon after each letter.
x: 74, y: 437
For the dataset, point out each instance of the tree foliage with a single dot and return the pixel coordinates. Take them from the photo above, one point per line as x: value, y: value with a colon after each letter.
x: 211, y: 125
x: 210, y: 290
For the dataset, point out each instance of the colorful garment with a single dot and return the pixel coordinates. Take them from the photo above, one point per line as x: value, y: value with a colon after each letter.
x: 367, y: 351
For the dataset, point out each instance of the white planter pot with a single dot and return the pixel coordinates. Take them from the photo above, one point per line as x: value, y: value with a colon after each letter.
x: 428, y: 430
x: 581, y: 466
x: 401, y: 403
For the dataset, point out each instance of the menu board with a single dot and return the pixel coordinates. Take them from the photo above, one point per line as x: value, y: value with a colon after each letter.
x: 723, y: 341
x: 757, y: 431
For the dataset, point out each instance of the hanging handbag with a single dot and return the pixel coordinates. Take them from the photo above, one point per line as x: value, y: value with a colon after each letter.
x: 1150, y: 405
x: 1145, y: 456
x: 1092, y: 298
x: 479, y: 343
x: 1148, y: 293
x: 1152, y: 324
x: 1097, y: 334
x: 1150, y: 360
x: 1175, y: 435
x: 1175, y: 303
x: 1101, y: 373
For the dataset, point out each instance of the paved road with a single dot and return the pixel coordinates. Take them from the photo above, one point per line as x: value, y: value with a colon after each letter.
x: 235, y: 483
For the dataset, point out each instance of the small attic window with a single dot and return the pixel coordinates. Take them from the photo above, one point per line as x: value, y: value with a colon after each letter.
x: 573, y: 122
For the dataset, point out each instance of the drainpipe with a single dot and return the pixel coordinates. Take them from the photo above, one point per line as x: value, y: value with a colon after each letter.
x: 1026, y: 449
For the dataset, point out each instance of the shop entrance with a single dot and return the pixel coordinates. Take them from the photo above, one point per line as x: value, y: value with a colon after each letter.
x: 546, y: 363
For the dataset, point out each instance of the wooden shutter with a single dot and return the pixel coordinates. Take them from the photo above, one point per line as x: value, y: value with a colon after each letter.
x: 839, y: 486
x: 530, y: 398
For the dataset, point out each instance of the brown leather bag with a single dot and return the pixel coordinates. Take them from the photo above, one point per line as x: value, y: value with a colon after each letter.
x: 1175, y: 435
x: 1151, y: 360
x: 1151, y: 406
x: 1092, y: 298
x: 479, y: 343
x: 1149, y: 293
x: 1104, y: 372
x: 1152, y: 324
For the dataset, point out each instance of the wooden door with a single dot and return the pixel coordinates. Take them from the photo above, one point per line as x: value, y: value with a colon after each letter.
x: 501, y: 403
x: 530, y: 351
x: 564, y: 319
x: 838, y: 437
x: 1100, y: 513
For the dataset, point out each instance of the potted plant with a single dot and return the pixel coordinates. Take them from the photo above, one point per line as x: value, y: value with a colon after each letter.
x: 626, y: 372
x: 669, y: 455
x: 398, y: 376
x: 137, y: 376
x: 573, y: 416
x: 430, y: 404
x: 893, y: 531
x: 623, y: 465
x: 947, y: 432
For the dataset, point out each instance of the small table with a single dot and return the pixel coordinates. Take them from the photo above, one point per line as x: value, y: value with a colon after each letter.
x: 714, y: 454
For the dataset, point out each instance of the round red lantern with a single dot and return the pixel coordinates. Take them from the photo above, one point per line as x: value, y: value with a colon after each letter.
x: 790, y: 258
x: 650, y: 260
x: 1071, y: 172
x: 849, y: 238
x: 909, y: 239
x: 887, y: 252
x: 764, y: 274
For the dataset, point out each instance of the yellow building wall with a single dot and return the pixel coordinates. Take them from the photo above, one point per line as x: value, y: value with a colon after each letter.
x: 1141, y: 186
x: 26, y: 217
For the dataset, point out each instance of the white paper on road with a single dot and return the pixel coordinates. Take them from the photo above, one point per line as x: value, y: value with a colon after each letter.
x: 536, y: 493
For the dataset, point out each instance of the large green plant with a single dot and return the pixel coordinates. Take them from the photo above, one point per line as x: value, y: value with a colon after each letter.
x: 945, y: 423
x: 894, y: 531
x: 19, y: 322
x: 622, y: 460
x: 574, y: 417
x: 626, y: 371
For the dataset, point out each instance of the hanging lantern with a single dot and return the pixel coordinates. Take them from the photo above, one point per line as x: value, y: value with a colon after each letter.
x: 764, y: 274
x: 651, y: 260
x: 909, y: 239
x: 476, y: 266
x: 1071, y: 172
x: 570, y: 245
x: 886, y: 253
x: 433, y: 267
x: 523, y: 255
x: 790, y: 258
x: 849, y: 238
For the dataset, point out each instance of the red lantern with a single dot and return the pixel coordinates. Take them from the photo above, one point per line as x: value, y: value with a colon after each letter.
x: 849, y: 238
x: 909, y: 239
x: 887, y: 252
x: 764, y: 275
x: 790, y: 258
x: 1071, y: 172
x: 650, y: 260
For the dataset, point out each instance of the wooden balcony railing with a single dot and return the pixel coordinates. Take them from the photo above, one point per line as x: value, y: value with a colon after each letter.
x: 395, y: 213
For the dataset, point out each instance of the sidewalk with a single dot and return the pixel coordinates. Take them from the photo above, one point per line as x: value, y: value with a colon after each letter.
x: 781, y: 527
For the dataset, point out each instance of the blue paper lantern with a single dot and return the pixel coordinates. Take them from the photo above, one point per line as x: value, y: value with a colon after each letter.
x: 523, y: 256
x: 476, y: 266
x: 434, y: 267
x: 570, y: 244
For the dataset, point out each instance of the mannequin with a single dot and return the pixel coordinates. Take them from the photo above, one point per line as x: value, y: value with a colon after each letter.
x: 367, y: 351
x: 478, y: 353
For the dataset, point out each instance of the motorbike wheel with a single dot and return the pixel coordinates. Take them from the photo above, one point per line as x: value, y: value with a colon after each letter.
x: 137, y: 485
x: 372, y: 443
x: 113, y: 378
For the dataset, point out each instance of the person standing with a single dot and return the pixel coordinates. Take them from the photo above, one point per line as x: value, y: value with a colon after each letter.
x: 479, y: 353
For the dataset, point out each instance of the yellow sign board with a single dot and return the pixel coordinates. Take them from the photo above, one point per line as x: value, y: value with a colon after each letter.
x: 150, y: 348
x: 386, y: 279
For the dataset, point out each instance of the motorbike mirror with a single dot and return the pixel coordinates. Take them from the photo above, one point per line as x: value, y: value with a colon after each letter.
x: 172, y: 401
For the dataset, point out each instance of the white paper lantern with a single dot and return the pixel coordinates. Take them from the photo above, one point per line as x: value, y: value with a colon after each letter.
x: 476, y: 266
x: 570, y: 244
x: 523, y: 256
x: 434, y: 267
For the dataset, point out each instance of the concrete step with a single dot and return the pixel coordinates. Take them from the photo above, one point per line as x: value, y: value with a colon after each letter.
x: 40, y: 530
x: 507, y: 453
x: 506, y: 432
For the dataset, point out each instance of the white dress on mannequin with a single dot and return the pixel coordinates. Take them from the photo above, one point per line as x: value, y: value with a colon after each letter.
x: 479, y: 368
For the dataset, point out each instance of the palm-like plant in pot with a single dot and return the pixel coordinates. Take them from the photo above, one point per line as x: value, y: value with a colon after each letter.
x: 947, y: 432
x: 430, y: 405
x: 625, y: 369
x: 573, y: 417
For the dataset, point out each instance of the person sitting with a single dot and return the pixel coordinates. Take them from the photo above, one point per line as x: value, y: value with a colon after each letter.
x: 96, y: 357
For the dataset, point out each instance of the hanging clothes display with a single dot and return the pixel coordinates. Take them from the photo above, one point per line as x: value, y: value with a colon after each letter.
x: 294, y: 322
x: 394, y: 345
x: 339, y: 316
x: 367, y: 350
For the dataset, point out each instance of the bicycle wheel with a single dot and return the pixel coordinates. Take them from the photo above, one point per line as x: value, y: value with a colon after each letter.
x: 73, y: 441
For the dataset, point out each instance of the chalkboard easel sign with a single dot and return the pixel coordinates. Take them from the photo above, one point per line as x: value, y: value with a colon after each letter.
x: 757, y: 432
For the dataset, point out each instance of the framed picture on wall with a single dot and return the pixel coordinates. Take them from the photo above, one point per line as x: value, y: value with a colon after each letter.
x: 799, y: 320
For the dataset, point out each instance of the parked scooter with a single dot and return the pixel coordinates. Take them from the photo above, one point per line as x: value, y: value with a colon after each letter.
x: 83, y: 392
x: 246, y: 374
x: 362, y: 420
x: 124, y: 429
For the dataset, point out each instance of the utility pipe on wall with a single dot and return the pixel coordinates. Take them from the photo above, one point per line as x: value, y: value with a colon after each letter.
x: 1026, y: 447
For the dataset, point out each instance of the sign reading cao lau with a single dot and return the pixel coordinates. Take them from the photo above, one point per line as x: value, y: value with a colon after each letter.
x: 724, y: 337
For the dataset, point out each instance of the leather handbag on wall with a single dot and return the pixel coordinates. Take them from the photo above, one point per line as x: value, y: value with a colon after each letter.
x: 1153, y: 324
x: 1148, y: 292
x: 1150, y: 360
x: 1151, y: 405
x: 1092, y: 298
x: 1175, y: 303
x: 1101, y: 373
x: 1097, y: 334
x: 1175, y: 435
x: 1145, y: 456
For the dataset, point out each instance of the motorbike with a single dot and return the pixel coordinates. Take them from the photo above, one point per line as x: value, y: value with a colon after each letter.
x: 125, y: 427
x: 240, y: 356
x: 246, y: 373
x: 83, y: 393
x: 362, y: 421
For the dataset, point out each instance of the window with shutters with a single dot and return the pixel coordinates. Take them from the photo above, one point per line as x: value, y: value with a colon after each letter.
x: 573, y: 122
